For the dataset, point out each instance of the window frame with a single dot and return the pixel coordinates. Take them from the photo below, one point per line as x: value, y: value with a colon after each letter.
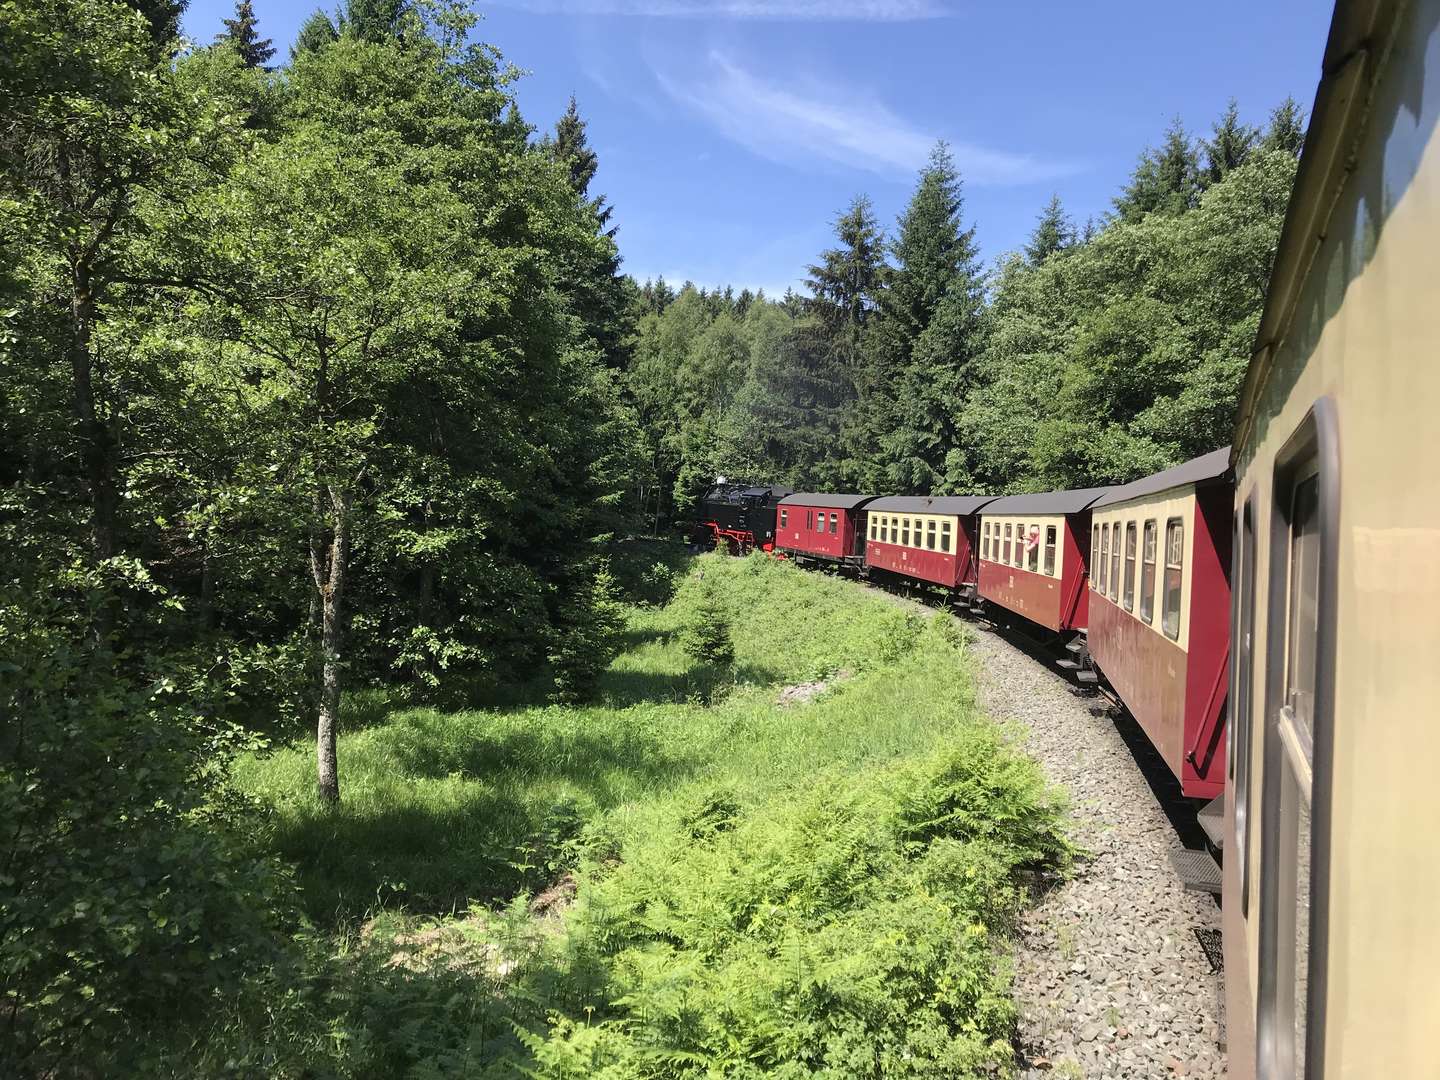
x: 1127, y: 588
x: 931, y: 533
x: 1113, y: 581
x: 1171, y: 523
x: 1094, y: 551
x: 1032, y: 561
x: 784, y: 518
x: 1239, y: 730
x: 1151, y: 533
x: 1104, y: 556
x: 904, y: 532
x: 1008, y: 540
x: 1052, y: 551
x: 834, y: 523
x: 947, y: 536
x: 1312, y: 450
x: 985, y: 539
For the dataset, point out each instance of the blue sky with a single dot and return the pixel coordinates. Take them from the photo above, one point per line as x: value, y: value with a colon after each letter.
x: 731, y: 132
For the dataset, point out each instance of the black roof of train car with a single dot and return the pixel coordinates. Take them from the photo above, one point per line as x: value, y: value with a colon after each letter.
x: 961, y: 505
x: 836, y: 502
x: 1207, y: 467
x: 1048, y: 502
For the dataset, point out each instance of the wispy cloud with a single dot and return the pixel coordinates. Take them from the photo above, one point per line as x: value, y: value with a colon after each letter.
x: 800, y: 125
x: 797, y: 10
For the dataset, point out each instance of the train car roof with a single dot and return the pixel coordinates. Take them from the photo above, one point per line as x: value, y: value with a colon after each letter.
x: 961, y: 505
x: 1352, y: 59
x: 836, y: 502
x: 1047, y: 502
x: 1212, y: 466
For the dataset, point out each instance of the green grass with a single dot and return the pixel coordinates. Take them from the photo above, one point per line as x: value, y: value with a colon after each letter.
x: 820, y: 889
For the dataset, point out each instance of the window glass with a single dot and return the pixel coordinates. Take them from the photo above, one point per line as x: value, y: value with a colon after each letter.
x: 945, y: 536
x: 1094, y: 553
x: 1008, y: 527
x: 1174, y: 574
x: 1239, y: 731
x: 1147, y: 574
x: 1032, y: 546
x: 1102, y: 562
x: 1129, y: 588
x: 984, y: 539
x: 1050, y: 540
x: 905, y: 531
x: 784, y: 518
x: 872, y: 527
x: 834, y: 523
x: 894, y: 530
x: 1304, y: 611
x: 810, y: 519
x: 1114, y: 580
x: 930, y: 534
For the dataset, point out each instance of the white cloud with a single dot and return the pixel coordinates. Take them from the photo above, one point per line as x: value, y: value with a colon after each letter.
x: 820, y: 122
x: 808, y: 10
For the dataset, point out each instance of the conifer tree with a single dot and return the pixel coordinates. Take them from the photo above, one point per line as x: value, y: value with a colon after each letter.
x: 846, y: 282
x: 1229, y: 145
x: 1286, y: 130
x: 241, y: 32
x: 315, y: 33
x: 1053, y: 232
x: 1166, y: 180
x: 570, y: 146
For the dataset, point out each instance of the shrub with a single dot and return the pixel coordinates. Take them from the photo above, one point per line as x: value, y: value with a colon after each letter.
x: 706, y: 636
x: 588, y: 639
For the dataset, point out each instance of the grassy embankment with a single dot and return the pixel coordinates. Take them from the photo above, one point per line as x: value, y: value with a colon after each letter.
x: 734, y: 888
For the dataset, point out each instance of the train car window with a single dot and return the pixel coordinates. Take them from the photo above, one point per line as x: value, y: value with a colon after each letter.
x: 810, y: 520
x: 905, y: 531
x: 1101, y: 558
x: 1094, y: 551
x: 1174, y: 575
x: 1008, y: 527
x: 1239, y: 730
x: 1114, y: 581
x: 894, y: 529
x: 1147, y: 573
x: 985, y: 539
x: 1129, y: 589
x: 834, y: 523
x: 1032, y: 543
x: 872, y: 527
x: 784, y: 518
x: 945, y: 536
x: 1050, y: 541
x: 930, y: 535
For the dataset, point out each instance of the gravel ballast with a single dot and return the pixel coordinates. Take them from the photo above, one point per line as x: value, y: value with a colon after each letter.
x: 1110, y: 979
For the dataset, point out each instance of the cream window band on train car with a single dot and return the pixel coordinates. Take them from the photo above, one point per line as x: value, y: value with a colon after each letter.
x: 1027, y: 542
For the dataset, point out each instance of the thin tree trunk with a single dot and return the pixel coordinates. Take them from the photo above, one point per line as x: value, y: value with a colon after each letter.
x: 95, y: 437
x: 332, y: 589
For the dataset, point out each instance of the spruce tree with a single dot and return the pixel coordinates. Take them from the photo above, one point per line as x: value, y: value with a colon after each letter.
x: 570, y: 147
x: 845, y: 283
x: 1165, y: 181
x: 315, y: 33
x: 240, y: 32
x: 1053, y: 232
x: 925, y: 338
x: 1229, y: 145
x: 1286, y: 130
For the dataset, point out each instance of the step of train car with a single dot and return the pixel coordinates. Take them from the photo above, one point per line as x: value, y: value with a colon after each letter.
x: 1212, y: 819
x: 1197, y: 870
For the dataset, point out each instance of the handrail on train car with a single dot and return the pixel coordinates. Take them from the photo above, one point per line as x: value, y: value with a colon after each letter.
x: 1212, y: 717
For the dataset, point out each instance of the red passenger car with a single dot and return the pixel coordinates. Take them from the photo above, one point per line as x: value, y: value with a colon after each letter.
x: 927, y: 539
x: 1034, y: 551
x: 1160, y: 611
x: 822, y: 528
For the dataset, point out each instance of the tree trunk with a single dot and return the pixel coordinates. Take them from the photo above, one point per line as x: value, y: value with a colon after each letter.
x: 95, y: 437
x: 331, y: 587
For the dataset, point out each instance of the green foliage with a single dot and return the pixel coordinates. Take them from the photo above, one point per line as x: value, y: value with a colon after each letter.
x: 824, y: 889
x: 706, y: 635
x: 587, y: 637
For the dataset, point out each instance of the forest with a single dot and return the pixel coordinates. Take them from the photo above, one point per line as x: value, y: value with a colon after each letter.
x: 323, y: 386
